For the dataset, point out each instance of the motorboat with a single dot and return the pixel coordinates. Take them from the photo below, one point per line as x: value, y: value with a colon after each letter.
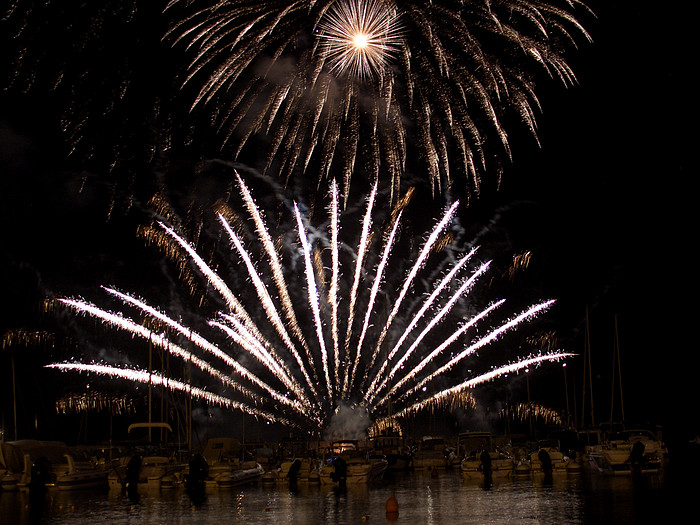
x: 502, y: 465
x: 52, y: 464
x: 547, y: 458
x: 655, y: 451
x: 434, y: 452
x: 351, y: 465
x: 147, y: 466
x: 151, y: 472
x: 392, y: 448
x: 241, y: 473
x: 481, y: 456
x: 11, y: 468
x: 224, y: 467
x: 300, y: 470
x: 623, y: 451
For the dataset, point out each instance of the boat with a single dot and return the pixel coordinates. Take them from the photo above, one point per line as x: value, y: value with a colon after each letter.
x: 226, y: 469
x: 548, y: 458
x: 348, y: 464
x: 147, y: 466
x: 434, y: 453
x: 392, y: 448
x: 613, y: 449
x: 261, y: 453
x: 243, y: 473
x: 298, y: 457
x: 51, y: 463
x: 11, y: 468
x: 151, y: 472
x: 655, y: 451
x: 479, y: 453
x: 622, y: 452
x: 302, y: 469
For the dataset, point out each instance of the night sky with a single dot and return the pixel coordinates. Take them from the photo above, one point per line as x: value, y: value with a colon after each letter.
x: 605, y: 204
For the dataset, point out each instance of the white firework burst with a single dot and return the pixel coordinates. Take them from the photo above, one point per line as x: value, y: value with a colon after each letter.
x: 359, y: 37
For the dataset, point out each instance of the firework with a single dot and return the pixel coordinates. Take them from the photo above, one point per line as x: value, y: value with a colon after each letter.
x: 524, y: 411
x: 360, y: 37
x: 337, y: 86
x: 95, y: 402
x: 26, y: 338
x: 285, y: 363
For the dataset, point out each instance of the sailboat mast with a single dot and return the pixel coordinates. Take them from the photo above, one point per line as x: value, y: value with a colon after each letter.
x: 150, y: 388
x: 587, y: 370
x: 14, y: 396
x: 617, y: 364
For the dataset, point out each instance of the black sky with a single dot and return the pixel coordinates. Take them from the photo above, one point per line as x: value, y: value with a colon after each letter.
x: 606, y: 205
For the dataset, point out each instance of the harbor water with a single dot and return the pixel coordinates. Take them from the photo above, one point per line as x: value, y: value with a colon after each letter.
x: 423, y: 498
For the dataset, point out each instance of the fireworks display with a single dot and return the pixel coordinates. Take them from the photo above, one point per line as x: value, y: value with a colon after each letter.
x: 309, y: 310
x: 308, y: 324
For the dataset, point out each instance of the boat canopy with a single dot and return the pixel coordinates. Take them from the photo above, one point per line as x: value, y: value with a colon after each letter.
x: 13, y: 452
x: 135, y: 426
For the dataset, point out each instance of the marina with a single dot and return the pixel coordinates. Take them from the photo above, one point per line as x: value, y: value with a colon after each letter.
x: 487, y: 487
x: 421, y: 498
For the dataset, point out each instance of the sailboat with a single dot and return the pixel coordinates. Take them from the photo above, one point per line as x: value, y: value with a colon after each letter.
x: 612, y: 448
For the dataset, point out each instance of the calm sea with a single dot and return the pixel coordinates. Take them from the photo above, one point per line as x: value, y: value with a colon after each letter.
x: 422, y: 499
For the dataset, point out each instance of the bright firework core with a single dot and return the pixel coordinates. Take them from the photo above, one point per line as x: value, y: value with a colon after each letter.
x: 359, y: 36
x: 361, y: 40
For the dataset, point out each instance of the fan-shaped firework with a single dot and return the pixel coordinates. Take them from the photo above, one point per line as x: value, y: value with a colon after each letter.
x: 305, y: 330
x: 446, y: 73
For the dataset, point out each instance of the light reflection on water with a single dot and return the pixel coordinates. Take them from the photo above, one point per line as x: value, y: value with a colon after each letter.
x: 422, y: 499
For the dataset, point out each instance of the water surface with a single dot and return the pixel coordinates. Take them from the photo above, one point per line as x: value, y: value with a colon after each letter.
x: 422, y: 499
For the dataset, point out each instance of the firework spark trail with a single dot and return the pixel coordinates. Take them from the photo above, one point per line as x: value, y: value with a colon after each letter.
x: 216, y: 281
x: 268, y: 305
x: 479, y: 344
x: 235, y: 305
x: 204, y: 344
x: 378, y: 276
x: 239, y: 335
x: 143, y: 376
x: 420, y: 261
x: 335, y: 275
x: 483, y: 378
x: 361, y: 252
x: 237, y: 60
x: 274, y: 262
x: 414, y: 321
x: 450, y: 73
x: 437, y: 351
x: 157, y: 340
x: 278, y: 278
x: 313, y: 298
x: 466, y: 285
